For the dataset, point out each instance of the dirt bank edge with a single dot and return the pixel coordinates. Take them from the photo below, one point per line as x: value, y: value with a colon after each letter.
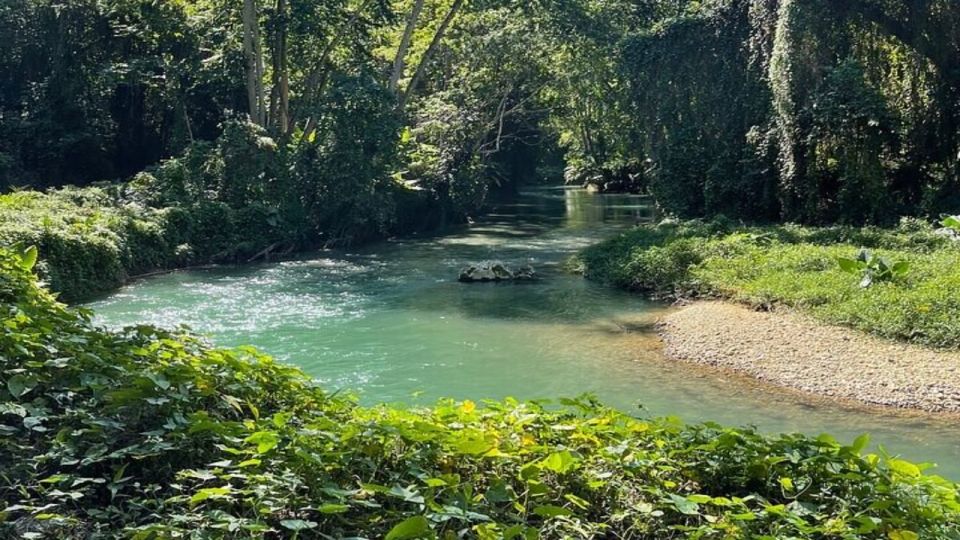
x: 792, y: 350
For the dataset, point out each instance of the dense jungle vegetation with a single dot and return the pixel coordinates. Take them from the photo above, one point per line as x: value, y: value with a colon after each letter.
x: 141, y: 135
x: 336, y: 121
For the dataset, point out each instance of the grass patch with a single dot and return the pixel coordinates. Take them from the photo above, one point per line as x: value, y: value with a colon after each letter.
x: 798, y: 267
x: 146, y: 433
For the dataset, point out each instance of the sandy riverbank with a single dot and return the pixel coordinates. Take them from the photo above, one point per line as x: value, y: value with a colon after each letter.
x: 795, y: 351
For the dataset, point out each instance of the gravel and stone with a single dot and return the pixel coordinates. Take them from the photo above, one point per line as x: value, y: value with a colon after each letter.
x: 792, y: 350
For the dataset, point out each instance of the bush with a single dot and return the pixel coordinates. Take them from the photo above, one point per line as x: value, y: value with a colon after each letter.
x: 147, y: 433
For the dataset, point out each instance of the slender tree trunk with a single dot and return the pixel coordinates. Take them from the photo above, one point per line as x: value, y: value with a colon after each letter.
x: 280, y: 93
x: 254, y: 59
x: 428, y: 54
x: 399, y: 63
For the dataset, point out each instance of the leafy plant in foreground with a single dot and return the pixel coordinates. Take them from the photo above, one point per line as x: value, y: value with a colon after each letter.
x: 873, y: 268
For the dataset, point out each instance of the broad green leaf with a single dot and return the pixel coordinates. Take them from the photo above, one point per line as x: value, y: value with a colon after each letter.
x: 684, y: 505
x: 414, y: 527
x: 20, y: 385
x: 903, y: 535
x: 860, y: 443
x: 331, y: 508
x: 473, y: 446
x: 298, y: 524
x: 559, y: 462
x: 904, y: 468
x: 210, y: 493
x: 28, y: 259
x: 951, y: 222
x: 849, y: 266
x: 868, y: 524
x: 265, y: 441
x: 550, y: 510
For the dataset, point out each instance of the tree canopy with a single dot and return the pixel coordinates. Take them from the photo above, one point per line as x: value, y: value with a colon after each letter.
x: 824, y: 110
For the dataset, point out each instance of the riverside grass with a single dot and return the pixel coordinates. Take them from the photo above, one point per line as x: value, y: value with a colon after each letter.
x: 147, y: 433
x: 797, y: 267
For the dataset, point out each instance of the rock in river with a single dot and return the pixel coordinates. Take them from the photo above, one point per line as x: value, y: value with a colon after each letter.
x: 495, y: 271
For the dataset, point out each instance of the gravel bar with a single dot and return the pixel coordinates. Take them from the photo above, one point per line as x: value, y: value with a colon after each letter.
x: 792, y: 350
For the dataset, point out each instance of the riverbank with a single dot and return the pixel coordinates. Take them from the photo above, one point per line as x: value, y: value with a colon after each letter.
x: 797, y: 267
x: 794, y: 307
x: 792, y: 350
x: 93, y: 240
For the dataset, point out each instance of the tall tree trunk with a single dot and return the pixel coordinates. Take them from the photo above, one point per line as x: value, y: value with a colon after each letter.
x: 280, y: 93
x: 399, y: 63
x: 428, y: 54
x: 254, y: 60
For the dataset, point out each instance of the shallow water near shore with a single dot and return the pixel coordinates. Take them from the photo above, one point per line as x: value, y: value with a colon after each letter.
x: 389, y: 322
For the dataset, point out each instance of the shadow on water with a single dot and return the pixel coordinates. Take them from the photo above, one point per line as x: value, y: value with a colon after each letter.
x: 389, y: 320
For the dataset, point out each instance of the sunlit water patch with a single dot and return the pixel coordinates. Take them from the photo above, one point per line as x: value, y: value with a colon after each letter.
x: 390, y: 322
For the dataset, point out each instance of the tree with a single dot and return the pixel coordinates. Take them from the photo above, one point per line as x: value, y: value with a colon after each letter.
x: 253, y: 54
x: 431, y: 49
x: 399, y: 62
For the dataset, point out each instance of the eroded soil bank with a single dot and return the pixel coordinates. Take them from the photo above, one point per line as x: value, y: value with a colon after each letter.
x: 795, y: 351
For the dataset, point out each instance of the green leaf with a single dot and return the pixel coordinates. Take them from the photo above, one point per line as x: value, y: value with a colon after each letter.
x: 849, y: 266
x: 550, y: 510
x: 684, y: 505
x: 298, y: 524
x: 265, y: 441
x: 559, y: 462
x: 951, y: 222
x: 415, y: 527
x: 473, y: 446
x: 903, y: 535
x: 860, y: 443
x: 19, y: 385
x: 210, y: 493
x: 331, y: 508
x: 868, y: 524
x: 28, y: 258
x: 901, y: 268
x: 904, y: 468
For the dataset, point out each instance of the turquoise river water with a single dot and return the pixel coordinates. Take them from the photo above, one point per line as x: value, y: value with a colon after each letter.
x: 390, y: 322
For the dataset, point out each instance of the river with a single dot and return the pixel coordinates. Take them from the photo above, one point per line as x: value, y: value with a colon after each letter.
x: 390, y: 323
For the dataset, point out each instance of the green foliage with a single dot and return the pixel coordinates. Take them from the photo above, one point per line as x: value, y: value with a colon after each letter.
x: 872, y: 268
x: 146, y: 433
x: 822, y: 111
x: 797, y: 266
x: 92, y: 239
x: 952, y: 223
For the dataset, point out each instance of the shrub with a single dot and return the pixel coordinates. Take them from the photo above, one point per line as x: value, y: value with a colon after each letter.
x: 871, y: 268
